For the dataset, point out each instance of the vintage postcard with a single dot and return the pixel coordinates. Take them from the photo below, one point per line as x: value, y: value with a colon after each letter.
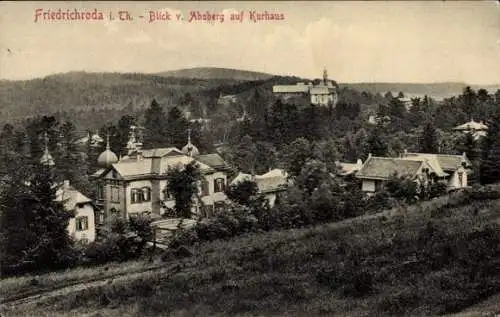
x: 250, y: 158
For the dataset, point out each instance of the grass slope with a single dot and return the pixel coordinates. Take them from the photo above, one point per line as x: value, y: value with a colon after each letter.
x: 435, y: 258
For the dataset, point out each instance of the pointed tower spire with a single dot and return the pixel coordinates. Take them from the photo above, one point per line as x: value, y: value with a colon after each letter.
x: 107, y: 140
x: 46, y: 157
x: 325, y: 76
x: 189, y: 148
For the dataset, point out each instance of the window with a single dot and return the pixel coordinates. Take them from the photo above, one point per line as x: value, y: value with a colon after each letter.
x: 219, y: 185
x: 140, y: 195
x: 146, y: 194
x: 100, y: 191
x: 82, y: 223
x: 205, y: 190
x: 461, y: 178
x: 167, y: 195
x: 135, y: 196
x: 219, y: 207
x: 115, y: 194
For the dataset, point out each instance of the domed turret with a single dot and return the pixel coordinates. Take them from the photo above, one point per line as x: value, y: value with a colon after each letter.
x: 189, y: 148
x: 107, y: 158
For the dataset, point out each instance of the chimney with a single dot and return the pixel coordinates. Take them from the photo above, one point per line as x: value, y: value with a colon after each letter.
x: 66, y: 184
x: 359, y: 162
x: 405, y: 153
x: 369, y: 155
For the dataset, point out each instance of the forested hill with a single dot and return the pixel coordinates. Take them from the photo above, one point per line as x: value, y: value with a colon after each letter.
x: 76, y: 91
x: 216, y: 73
x: 434, y: 90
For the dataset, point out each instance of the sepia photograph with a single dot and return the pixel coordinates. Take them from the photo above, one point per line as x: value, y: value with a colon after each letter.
x: 250, y: 158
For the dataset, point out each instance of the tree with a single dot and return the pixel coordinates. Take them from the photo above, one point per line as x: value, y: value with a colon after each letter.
x: 242, y: 192
x: 155, y: 125
x: 295, y: 155
x: 177, y: 126
x: 183, y: 182
x: 326, y: 151
x: 397, y: 108
x: 123, y: 132
x: 244, y: 156
x: 468, y: 99
x: 429, y: 139
x: 490, y: 164
x: 34, y: 225
x: 376, y: 144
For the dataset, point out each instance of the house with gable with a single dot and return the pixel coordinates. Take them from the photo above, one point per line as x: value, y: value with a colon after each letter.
x: 270, y: 184
x: 455, y: 167
x: 424, y: 168
x: 137, y: 182
x: 82, y: 227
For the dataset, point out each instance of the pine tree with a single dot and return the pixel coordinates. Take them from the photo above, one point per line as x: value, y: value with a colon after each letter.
x: 490, y: 165
x: 177, y: 126
x: 155, y: 127
x: 34, y: 225
x: 429, y: 139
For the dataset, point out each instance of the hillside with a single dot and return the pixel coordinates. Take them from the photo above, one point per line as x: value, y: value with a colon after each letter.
x: 122, y: 93
x: 215, y: 73
x: 76, y: 91
x: 435, y: 90
x: 440, y: 257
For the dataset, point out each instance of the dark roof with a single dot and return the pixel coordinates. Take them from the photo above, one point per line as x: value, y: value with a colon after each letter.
x: 385, y: 167
x: 447, y: 162
x: 213, y: 160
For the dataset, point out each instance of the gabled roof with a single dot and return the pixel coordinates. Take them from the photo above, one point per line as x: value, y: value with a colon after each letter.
x: 161, y: 152
x: 432, y: 161
x: 71, y: 197
x: 213, y: 160
x: 291, y: 89
x: 385, y: 167
x: 349, y: 168
x: 471, y: 125
x: 272, y: 181
x: 133, y: 168
x: 320, y: 90
x: 447, y: 162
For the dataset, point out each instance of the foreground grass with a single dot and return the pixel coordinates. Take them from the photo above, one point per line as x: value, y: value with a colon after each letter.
x: 426, y: 262
x: 13, y: 287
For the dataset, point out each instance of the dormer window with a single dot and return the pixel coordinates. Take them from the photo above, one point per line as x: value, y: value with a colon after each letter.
x: 219, y: 185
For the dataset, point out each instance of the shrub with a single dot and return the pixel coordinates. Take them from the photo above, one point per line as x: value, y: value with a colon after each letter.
x: 437, y: 189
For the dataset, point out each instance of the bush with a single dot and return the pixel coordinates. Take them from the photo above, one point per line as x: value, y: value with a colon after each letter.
x: 120, y: 240
x: 437, y: 189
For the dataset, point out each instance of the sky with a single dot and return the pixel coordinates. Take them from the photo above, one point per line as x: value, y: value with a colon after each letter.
x: 364, y: 41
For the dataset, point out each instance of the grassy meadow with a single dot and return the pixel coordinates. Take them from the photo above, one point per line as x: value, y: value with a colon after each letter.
x: 435, y: 258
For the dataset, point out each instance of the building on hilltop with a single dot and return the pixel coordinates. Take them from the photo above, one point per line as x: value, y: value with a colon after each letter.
x: 323, y: 94
x: 137, y: 182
